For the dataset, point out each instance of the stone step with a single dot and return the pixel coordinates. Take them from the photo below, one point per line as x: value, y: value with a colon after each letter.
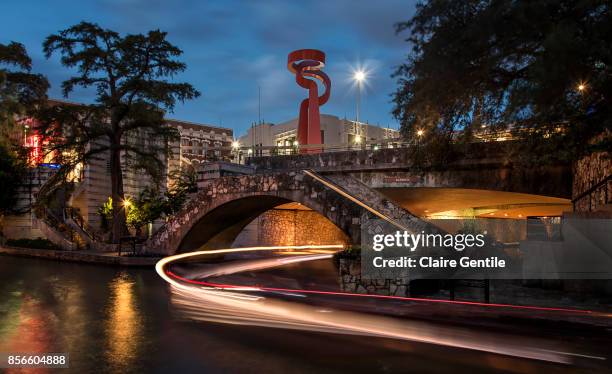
x: 379, y: 202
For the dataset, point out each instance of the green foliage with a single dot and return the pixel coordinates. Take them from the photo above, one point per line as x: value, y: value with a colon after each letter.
x: 148, y: 207
x: 151, y: 204
x: 38, y: 243
x: 106, y: 214
x: 20, y: 90
x: 130, y: 75
x: 543, y: 68
x: 12, y: 171
x: 185, y: 184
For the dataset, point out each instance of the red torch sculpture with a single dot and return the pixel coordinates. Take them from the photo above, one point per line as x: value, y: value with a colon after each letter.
x: 306, y: 64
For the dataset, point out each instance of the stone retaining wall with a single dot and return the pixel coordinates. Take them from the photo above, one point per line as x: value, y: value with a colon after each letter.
x: 589, y: 172
x: 280, y: 227
x: 351, y: 281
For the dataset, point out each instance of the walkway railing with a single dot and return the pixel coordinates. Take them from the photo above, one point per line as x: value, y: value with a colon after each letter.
x: 589, y: 192
x: 483, y: 136
x: 263, y: 151
x: 76, y: 217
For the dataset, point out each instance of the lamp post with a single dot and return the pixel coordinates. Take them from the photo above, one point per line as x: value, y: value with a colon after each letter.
x: 25, y: 135
x: 236, y: 150
x: 420, y: 134
x: 359, y: 77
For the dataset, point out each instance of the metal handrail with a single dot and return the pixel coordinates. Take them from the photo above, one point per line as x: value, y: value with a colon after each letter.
x: 589, y: 192
x: 80, y: 222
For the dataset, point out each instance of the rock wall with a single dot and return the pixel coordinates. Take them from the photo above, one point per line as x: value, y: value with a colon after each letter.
x: 487, y: 167
x: 249, y: 193
x: 290, y: 227
x: 590, y: 173
x: 351, y: 281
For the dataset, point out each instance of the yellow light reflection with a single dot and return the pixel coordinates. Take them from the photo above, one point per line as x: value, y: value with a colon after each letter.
x: 124, y: 324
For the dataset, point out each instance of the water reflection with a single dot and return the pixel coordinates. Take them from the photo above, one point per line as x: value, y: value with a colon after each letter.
x: 124, y: 324
x: 119, y: 321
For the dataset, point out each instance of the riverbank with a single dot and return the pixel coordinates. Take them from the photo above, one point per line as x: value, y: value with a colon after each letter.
x: 102, y: 258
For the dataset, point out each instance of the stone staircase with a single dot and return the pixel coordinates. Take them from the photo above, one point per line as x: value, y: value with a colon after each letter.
x: 378, y: 203
x: 56, y: 231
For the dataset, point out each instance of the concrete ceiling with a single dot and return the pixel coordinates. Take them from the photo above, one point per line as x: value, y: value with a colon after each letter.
x: 463, y: 202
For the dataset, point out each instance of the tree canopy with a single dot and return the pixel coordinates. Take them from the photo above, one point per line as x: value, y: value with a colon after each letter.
x: 20, y: 92
x: 132, y: 77
x: 540, y: 68
x: 11, y: 172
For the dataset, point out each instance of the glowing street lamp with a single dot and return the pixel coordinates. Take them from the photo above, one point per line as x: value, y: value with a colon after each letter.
x: 359, y: 75
x: 359, y: 78
x: 581, y: 87
x: 420, y: 133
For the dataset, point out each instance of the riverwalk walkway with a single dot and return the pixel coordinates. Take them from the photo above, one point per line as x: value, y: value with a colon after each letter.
x: 86, y: 256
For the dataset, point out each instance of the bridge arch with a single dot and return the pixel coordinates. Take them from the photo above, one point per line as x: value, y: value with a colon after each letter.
x: 225, y: 219
x: 230, y: 203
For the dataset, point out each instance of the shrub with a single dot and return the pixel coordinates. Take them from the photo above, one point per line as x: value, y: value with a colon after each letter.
x: 38, y: 243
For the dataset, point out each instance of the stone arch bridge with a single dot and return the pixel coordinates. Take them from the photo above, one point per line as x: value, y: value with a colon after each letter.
x: 343, y: 187
x: 224, y: 206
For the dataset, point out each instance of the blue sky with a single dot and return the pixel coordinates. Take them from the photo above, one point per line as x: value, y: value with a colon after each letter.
x: 233, y: 47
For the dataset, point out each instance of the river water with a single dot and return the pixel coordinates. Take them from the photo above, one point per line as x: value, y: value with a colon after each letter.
x: 120, y: 320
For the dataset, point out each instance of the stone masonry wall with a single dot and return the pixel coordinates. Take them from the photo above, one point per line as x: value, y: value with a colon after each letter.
x: 291, y: 227
x: 351, y: 281
x: 588, y: 173
x: 291, y: 186
x: 365, y: 159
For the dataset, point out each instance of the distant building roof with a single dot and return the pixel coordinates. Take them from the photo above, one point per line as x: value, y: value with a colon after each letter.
x: 176, y: 122
x: 196, y: 126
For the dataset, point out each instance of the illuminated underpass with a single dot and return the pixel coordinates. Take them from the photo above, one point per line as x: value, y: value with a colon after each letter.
x: 262, y: 220
x: 504, y: 215
x: 434, y: 202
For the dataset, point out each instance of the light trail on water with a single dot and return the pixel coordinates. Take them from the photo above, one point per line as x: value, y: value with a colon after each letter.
x: 253, y: 305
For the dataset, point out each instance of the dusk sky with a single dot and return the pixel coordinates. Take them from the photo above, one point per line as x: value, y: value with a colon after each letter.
x: 233, y: 47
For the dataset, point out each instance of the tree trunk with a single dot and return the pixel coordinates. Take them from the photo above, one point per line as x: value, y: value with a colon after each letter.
x: 119, y: 227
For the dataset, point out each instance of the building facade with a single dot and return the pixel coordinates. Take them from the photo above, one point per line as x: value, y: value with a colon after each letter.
x: 91, y: 183
x: 198, y: 144
x: 335, y: 132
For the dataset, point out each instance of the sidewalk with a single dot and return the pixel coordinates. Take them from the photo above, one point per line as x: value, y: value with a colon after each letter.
x: 104, y: 258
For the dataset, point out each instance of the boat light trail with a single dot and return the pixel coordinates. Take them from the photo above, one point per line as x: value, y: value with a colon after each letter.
x: 248, y: 305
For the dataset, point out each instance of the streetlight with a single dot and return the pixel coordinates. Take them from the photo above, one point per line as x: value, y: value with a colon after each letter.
x: 420, y: 133
x: 236, y: 150
x: 25, y: 135
x: 359, y: 78
x: 581, y: 87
